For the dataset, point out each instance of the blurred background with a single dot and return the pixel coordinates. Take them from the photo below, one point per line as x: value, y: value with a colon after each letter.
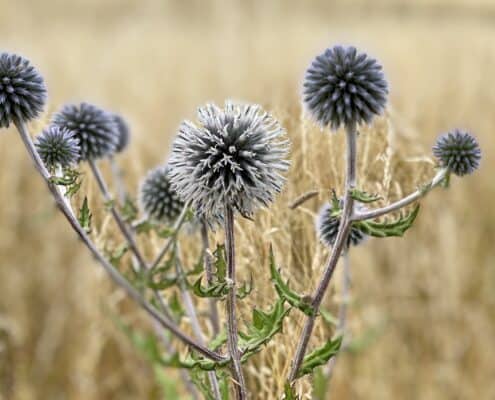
x: 429, y: 298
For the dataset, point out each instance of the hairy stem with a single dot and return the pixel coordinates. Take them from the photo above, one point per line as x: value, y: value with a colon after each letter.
x: 193, y: 317
x: 114, y: 275
x: 338, y: 247
x: 436, y: 181
x: 232, y: 331
x: 171, y: 240
x: 209, y: 278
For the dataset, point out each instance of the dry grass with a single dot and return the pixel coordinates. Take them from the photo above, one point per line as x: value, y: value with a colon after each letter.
x: 429, y: 297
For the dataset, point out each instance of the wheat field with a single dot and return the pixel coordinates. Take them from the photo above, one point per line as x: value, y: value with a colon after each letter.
x: 422, y: 315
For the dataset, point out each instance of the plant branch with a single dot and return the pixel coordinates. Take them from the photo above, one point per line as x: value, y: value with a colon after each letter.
x: 436, y: 181
x: 209, y: 278
x: 114, y: 275
x: 232, y: 331
x: 338, y: 247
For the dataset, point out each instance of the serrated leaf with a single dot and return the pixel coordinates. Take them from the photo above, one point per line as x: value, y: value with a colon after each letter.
x: 264, y: 326
x: 364, y: 197
x: 85, y: 216
x: 387, y: 229
x: 284, y: 292
x: 217, y: 290
x: 319, y: 356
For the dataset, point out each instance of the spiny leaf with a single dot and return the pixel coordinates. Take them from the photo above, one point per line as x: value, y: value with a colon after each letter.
x: 70, y: 179
x: 264, y: 326
x: 319, y: 356
x: 217, y: 290
x: 386, y: 229
x: 284, y: 292
x: 363, y: 197
x: 85, y: 216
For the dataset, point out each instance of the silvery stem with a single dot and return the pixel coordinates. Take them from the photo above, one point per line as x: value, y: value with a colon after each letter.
x: 193, y: 317
x: 437, y: 180
x: 175, y: 230
x: 338, y: 247
x: 209, y: 278
x: 232, y: 331
x: 114, y: 275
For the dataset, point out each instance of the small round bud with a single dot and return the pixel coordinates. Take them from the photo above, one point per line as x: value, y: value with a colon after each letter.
x: 458, y: 151
x: 344, y: 87
x: 327, y: 227
x: 158, y: 200
x: 22, y: 90
x: 95, y: 129
x: 57, y: 147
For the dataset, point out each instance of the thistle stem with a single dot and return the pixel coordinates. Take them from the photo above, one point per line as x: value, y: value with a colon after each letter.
x: 171, y: 240
x: 232, y: 331
x: 436, y: 181
x: 338, y: 247
x: 115, y: 214
x: 114, y: 275
x: 209, y: 278
x: 193, y: 317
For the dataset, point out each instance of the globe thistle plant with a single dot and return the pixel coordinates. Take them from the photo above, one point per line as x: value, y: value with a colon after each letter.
x: 123, y: 133
x: 458, y: 151
x: 233, y: 157
x: 22, y: 90
x: 95, y: 129
x: 327, y: 227
x: 158, y: 200
x: 344, y: 87
x: 57, y: 147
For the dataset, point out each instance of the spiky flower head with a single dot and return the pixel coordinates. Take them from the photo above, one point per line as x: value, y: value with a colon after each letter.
x: 22, y: 90
x: 327, y: 226
x: 458, y: 151
x: 344, y: 87
x: 95, y: 128
x: 57, y: 147
x: 233, y: 157
x: 123, y: 132
x: 158, y: 200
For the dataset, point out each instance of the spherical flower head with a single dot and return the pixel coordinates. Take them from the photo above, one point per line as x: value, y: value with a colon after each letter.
x: 234, y: 157
x: 57, y: 147
x: 95, y: 129
x: 327, y: 226
x: 344, y: 87
x: 158, y: 200
x: 22, y: 90
x: 123, y: 132
x: 458, y: 151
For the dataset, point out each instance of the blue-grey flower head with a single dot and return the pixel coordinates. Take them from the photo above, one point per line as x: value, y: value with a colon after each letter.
x: 344, y: 87
x: 57, y: 147
x: 123, y: 132
x: 158, y: 200
x: 327, y: 226
x: 458, y: 151
x: 22, y: 90
x: 94, y: 127
x: 234, y: 157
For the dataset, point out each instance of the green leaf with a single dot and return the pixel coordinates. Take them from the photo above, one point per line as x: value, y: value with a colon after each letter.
x: 264, y: 326
x: 320, y: 384
x: 289, y: 392
x: 85, y: 216
x: 144, y: 227
x: 198, y: 267
x: 200, y: 380
x: 165, y: 233
x: 285, y: 293
x: 116, y: 255
x: 386, y: 229
x: 245, y: 289
x: 160, y: 278
x: 129, y: 210
x: 176, y: 307
x: 70, y: 179
x: 218, y: 340
x: 217, y: 290
x: 364, y: 197
x: 319, y: 356
x: 328, y: 317
x: 219, y: 263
